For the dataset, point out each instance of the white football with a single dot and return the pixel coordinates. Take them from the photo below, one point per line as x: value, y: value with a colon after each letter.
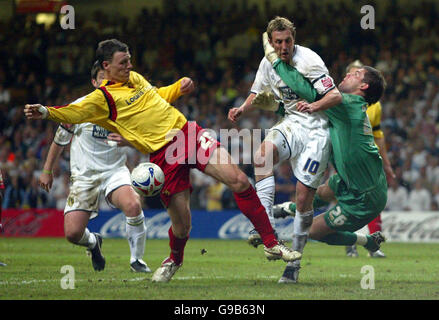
x: 147, y: 179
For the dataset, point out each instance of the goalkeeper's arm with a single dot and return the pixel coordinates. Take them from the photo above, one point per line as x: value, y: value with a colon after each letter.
x: 292, y: 78
x: 296, y: 81
x: 303, y: 88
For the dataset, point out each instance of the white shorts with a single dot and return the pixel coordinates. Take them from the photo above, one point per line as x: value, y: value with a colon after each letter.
x: 308, y: 150
x: 85, y: 191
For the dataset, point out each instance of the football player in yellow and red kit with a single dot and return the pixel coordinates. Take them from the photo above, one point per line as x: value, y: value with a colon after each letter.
x: 126, y: 103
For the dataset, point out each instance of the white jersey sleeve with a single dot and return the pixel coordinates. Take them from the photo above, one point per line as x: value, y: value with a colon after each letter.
x: 261, y: 82
x: 312, y: 67
x: 63, y: 135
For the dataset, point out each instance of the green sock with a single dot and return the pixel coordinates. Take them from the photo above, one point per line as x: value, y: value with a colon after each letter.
x: 340, y: 238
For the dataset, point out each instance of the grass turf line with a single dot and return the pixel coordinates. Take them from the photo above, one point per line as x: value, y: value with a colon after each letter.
x: 228, y: 269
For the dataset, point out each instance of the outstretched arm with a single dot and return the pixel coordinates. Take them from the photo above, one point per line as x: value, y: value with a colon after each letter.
x: 236, y: 113
x: 90, y: 108
x: 46, y: 178
x: 296, y: 81
x: 62, y: 138
x: 172, y: 92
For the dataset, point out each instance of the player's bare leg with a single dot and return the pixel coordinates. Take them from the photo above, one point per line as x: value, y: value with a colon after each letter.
x: 75, y: 230
x: 127, y: 200
x: 180, y: 214
x: 322, y: 198
x: 220, y: 167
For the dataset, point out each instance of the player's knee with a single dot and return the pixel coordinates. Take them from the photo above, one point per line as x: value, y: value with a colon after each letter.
x: 132, y: 208
x: 304, y: 202
x: 74, y: 236
x: 263, y: 160
x: 263, y: 166
x: 259, y: 160
x: 239, y: 182
x: 301, y: 204
x: 314, y: 235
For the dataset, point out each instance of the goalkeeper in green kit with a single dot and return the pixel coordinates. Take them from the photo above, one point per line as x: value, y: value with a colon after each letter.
x: 359, y: 186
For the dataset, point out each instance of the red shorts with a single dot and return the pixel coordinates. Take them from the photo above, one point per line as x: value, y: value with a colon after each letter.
x: 192, y: 147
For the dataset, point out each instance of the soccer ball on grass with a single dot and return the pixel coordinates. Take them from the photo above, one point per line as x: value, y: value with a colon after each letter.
x: 147, y: 179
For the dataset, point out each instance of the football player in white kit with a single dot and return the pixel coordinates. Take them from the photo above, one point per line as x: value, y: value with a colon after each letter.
x: 97, y: 165
x: 302, y: 139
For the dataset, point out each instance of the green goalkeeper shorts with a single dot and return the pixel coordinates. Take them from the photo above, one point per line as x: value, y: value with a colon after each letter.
x: 354, y: 210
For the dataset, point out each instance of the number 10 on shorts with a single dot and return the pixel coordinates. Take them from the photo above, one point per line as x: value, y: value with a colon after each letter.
x: 311, y: 166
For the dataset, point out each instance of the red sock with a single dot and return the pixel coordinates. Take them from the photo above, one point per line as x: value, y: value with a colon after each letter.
x: 375, y: 225
x: 177, y: 247
x: 250, y: 205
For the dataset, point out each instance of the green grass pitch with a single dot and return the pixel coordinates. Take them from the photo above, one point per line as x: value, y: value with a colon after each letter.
x: 227, y: 270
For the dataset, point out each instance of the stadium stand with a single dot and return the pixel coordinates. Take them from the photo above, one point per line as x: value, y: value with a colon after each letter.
x: 43, y: 65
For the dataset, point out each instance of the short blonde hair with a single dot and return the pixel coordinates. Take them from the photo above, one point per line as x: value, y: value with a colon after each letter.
x: 356, y: 64
x: 281, y: 24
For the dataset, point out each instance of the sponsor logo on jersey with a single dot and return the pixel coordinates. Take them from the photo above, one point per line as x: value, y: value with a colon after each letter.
x: 99, y: 132
x: 70, y: 201
x: 139, y: 93
x: 288, y: 94
x: 327, y: 83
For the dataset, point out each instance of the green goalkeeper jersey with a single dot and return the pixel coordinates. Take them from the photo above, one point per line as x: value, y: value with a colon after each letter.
x: 355, y: 155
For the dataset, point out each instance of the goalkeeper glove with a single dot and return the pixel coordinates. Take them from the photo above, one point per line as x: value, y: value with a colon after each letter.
x: 270, y: 53
x: 266, y: 101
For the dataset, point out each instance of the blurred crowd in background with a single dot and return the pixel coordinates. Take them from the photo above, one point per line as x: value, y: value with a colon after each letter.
x: 219, y: 47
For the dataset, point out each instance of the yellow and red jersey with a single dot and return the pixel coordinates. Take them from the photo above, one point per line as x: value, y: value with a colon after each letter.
x: 374, y: 114
x: 138, y: 111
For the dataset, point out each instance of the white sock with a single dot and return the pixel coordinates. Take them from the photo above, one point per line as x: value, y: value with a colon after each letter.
x: 136, y: 235
x: 265, y: 190
x: 88, y: 239
x: 361, y: 239
x: 301, y: 226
